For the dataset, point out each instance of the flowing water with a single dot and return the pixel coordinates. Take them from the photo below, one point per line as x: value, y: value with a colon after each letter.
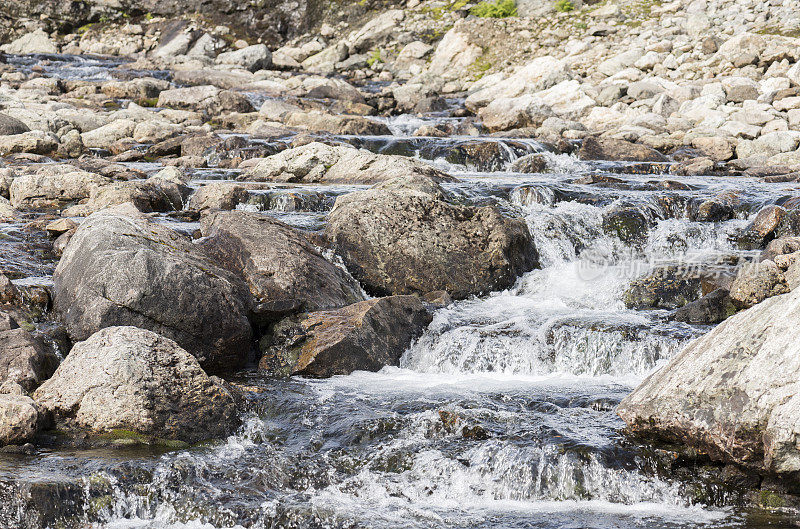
x: 500, y: 416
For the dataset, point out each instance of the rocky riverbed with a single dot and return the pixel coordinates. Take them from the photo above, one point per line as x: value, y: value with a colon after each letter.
x: 420, y: 264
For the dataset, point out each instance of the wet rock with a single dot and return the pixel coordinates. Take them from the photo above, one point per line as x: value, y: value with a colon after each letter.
x: 720, y: 208
x: 665, y: 288
x: 713, y: 308
x: 365, y: 336
x: 19, y: 419
x: 124, y: 379
x: 756, y: 282
x: 531, y: 163
x: 10, y: 126
x: 53, y: 188
x: 483, y: 156
x: 280, y: 264
x: 732, y: 393
x: 252, y: 58
x: 217, y: 195
x: 121, y: 269
x: 319, y: 162
x: 628, y: 223
x: 617, y: 150
x: 695, y: 167
x: 24, y: 359
x: 404, y: 236
x: 763, y: 227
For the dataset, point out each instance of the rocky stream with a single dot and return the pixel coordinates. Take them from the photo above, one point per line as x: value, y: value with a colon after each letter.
x: 500, y: 414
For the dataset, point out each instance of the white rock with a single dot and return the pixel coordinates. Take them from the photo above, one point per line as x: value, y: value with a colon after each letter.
x: 35, y: 42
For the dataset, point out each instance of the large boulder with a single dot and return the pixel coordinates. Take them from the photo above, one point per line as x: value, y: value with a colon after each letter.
x: 756, y: 282
x: 10, y: 126
x: 365, y: 336
x: 53, y: 188
x: 34, y: 42
x: 668, y: 287
x: 734, y: 393
x: 280, y: 264
x: 124, y: 378
x: 253, y: 58
x: 25, y: 360
x: 19, y: 419
x: 338, y: 164
x: 120, y: 268
x: 404, y: 237
x: 218, y: 195
x: 618, y: 151
x: 317, y: 121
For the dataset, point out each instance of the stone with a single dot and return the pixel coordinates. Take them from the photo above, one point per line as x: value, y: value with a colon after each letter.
x: 280, y: 264
x: 756, y: 282
x: 19, y: 419
x: 338, y: 164
x: 713, y: 308
x: 530, y: 163
x: 53, y: 189
x: 404, y: 236
x: 120, y: 268
x: 514, y: 113
x: 317, y: 121
x: 664, y: 288
x: 24, y: 359
x: 10, y: 126
x: 365, y: 336
x: 454, y: 54
x: 717, y: 148
x: 252, y: 58
x: 539, y: 74
x: 147, y: 197
x: 218, y: 195
x: 206, y: 98
x: 103, y: 137
x: 34, y: 142
x: 594, y: 148
x: 719, y: 208
x: 133, y: 380
x: 732, y: 394
x: 7, y: 211
x: 34, y: 42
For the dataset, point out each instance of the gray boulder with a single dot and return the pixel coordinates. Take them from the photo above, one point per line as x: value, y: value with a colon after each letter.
x: 365, y: 336
x: 9, y: 125
x: 253, y: 58
x: 756, y: 282
x: 19, y: 419
x: 617, y: 150
x: 124, y: 378
x: 404, y: 237
x: 338, y: 164
x: 24, y: 359
x: 734, y: 393
x: 280, y: 264
x: 218, y: 195
x: 54, y: 188
x: 120, y: 268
